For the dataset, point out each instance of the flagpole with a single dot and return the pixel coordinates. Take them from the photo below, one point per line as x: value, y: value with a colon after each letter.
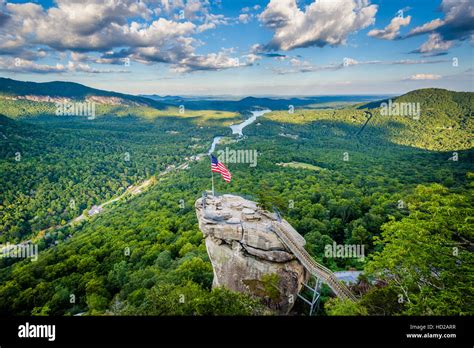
x: 212, y: 176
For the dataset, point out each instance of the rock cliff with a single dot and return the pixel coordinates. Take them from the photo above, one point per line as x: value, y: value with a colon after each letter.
x: 246, y: 255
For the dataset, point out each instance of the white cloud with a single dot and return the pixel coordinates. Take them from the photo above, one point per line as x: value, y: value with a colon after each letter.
x: 323, y: 22
x: 26, y: 66
x: 426, y: 28
x: 457, y: 25
x: 418, y: 77
x: 212, y: 21
x: 81, y: 67
x: 299, y: 66
x: 391, y: 31
x: 18, y: 65
x: 252, y: 58
x: 211, y: 61
x: 296, y: 62
x: 206, y: 26
x: 171, y: 5
x: 435, y: 44
x: 248, y: 9
x: 349, y: 61
x: 244, y: 18
x: 114, y: 29
x: 193, y: 8
x: 459, y: 19
x: 422, y: 61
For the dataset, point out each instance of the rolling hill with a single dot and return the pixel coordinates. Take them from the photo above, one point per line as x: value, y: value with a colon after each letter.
x: 57, y: 90
x: 459, y: 104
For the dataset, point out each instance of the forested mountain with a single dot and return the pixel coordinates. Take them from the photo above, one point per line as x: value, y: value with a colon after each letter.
x: 74, y: 91
x: 48, y: 92
x: 445, y: 117
x: 274, y: 103
x: 332, y: 181
x: 445, y: 120
x: 433, y: 98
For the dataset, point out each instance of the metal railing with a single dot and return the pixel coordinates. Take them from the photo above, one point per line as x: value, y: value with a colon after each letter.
x: 316, y: 269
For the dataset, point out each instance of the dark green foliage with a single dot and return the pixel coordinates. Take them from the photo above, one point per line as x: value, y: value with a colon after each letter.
x: 69, y: 164
x: 141, y: 255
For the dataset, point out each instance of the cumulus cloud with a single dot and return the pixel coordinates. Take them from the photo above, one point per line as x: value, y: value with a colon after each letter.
x: 459, y: 19
x: 247, y: 14
x: 434, y: 45
x: 115, y: 30
x: 457, y: 25
x: 193, y: 8
x: 3, y: 19
x: 426, y: 28
x: 323, y: 22
x: 26, y: 66
x: 81, y: 67
x: 18, y: 65
x: 211, y: 21
x: 211, y: 61
x: 249, y: 9
x: 244, y: 18
x: 391, y: 31
x: 252, y: 58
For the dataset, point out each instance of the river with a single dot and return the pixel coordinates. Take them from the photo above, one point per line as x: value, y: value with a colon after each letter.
x: 238, y: 128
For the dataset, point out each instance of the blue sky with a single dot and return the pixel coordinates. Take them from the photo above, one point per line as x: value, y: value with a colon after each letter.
x: 210, y: 47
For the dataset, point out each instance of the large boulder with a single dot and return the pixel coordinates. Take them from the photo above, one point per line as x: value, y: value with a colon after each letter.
x: 246, y: 255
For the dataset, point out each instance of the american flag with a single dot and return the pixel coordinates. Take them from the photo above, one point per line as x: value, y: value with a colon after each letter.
x: 219, y: 167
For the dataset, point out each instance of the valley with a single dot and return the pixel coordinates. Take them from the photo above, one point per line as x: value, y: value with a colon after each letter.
x: 264, y: 172
x: 141, y: 251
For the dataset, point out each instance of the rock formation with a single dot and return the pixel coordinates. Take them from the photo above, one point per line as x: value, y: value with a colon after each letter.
x: 246, y: 255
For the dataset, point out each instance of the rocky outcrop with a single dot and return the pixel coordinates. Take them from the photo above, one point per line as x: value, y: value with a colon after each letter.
x: 246, y: 255
x: 112, y: 101
x: 105, y: 100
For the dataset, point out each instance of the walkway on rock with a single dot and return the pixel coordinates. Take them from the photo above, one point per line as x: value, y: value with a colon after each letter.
x: 316, y: 269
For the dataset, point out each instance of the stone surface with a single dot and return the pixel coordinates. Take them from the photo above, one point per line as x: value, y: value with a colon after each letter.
x: 245, y: 253
x: 272, y: 255
x: 226, y: 231
x: 258, y: 235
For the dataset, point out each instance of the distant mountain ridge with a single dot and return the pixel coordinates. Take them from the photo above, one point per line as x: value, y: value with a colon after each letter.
x: 274, y: 103
x: 60, y: 90
x: 460, y: 104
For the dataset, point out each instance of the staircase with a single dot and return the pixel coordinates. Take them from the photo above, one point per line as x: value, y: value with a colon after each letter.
x: 316, y: 269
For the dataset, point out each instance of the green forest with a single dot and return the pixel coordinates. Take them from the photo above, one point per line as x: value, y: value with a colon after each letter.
x: 401, y: 187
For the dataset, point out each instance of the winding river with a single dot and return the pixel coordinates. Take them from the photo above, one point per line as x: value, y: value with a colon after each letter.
x: 238, y: 128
